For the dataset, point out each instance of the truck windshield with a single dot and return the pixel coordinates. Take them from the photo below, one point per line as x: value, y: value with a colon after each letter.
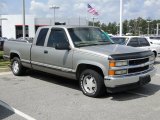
x: 85, y: 36
x: 120, y: 40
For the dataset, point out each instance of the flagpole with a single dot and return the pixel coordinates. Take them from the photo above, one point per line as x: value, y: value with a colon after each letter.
x: 87, y: 21
x: 24, y: 26
x: 93, y: 21
x: 121, y: 10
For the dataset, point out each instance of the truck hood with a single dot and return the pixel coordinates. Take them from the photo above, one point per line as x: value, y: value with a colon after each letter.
x: 112, y: 49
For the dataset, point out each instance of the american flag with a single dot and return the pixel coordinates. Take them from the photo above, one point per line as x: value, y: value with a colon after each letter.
x: 92, y: 10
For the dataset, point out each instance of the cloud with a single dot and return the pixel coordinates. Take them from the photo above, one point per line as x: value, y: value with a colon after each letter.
x: 38, y: 8
x: 3, y: 7
x: 108, y: 9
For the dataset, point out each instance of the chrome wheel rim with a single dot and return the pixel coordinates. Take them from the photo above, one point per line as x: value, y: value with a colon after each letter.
x: 15, y: 67
x: 89, y: 84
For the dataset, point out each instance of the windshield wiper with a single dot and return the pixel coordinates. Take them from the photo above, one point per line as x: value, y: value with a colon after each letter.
x: 101, y: 42
x: 86, y: 44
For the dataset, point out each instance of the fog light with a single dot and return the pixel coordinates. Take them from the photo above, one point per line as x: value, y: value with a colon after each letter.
x: 117, y: 72
x: 120, y: 72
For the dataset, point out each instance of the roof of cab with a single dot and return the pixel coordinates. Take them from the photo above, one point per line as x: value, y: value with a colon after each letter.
x: 66, y: 26
x: 128, y: 37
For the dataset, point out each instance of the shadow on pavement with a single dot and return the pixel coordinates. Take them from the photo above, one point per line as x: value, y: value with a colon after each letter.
x: 140, y: 92
x: 54, y: 79
x: 5, y: 112
x: 156, y: 62
x: 147, y: 90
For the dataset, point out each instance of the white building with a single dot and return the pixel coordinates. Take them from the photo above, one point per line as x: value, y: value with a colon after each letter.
x: 12, y: 26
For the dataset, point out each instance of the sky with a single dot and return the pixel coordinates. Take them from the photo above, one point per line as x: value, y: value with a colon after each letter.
x: 108, y: 9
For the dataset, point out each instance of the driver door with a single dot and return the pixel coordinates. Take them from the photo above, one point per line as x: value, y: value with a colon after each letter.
x: 57, y: 59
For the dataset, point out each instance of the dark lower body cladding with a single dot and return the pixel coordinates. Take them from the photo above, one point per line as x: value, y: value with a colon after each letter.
x: 142, y: 81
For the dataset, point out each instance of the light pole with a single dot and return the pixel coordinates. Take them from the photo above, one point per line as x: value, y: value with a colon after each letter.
x: 148, y: 27
x: 158, y: 28
x: 140, y: 30
x: 1, y: 24
x: 130, y: 27
x: 54, y: 9
x: 120, y: 27
x: 117, y: 28
x: 23, y: 12
x: 94, y: 19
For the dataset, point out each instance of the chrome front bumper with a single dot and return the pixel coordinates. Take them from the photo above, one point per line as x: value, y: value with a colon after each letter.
x: 113, y: 82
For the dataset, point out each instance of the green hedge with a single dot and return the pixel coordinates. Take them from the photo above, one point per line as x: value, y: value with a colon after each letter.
x: 3, y: 63
x: 1, y: 54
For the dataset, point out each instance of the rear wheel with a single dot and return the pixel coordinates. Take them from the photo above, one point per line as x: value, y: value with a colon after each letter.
x: 92, y: 83
x: 17, y: 67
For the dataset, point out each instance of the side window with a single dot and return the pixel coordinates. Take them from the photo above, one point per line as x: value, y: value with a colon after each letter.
x: 133, y: 42
x: 143, y: 42
x: 56, y: 36
x: 41, y: 37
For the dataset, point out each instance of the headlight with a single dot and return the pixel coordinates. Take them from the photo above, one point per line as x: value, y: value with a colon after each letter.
x: 113, y: 63
x: 121, y: 63
x: 117, y: 72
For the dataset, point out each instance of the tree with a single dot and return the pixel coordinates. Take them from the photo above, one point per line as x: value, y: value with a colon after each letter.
x: 137, y: 26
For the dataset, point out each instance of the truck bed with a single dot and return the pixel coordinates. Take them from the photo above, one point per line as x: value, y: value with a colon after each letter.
x: 22, y: 48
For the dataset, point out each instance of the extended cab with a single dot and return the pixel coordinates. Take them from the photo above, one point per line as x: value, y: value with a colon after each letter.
x: 85, y: 54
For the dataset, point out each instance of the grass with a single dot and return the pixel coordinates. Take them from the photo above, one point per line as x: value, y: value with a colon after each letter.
x: 3, y: 63
x: 1, y: 55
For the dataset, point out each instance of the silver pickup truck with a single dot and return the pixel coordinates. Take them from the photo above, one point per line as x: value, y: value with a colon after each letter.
x: 86, y: 54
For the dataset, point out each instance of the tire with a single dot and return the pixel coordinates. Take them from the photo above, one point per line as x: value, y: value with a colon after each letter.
x: 92, y: 83
x: 155, y: 54
x: 17, y: 67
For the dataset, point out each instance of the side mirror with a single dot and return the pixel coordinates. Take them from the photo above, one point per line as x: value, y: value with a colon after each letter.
x: 62, y: 46
x: 151, y: 42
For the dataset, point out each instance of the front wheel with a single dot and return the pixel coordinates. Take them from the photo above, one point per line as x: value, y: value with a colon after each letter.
x: 92, y: 83
x: 17, y: 67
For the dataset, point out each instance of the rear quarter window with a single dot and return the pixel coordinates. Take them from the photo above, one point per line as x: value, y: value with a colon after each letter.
x: 143, y: 42
x: 41, y: 37
x: 133, y: 42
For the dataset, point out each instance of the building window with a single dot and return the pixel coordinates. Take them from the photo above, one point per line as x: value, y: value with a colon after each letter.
x: 19, y: 31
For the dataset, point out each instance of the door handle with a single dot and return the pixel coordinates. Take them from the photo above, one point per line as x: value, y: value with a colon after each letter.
x: 45, y: 52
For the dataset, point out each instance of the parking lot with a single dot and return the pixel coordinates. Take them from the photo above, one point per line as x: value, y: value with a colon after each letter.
x: 42, y: 96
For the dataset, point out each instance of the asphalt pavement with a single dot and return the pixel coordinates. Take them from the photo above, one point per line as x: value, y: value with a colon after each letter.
x: 40, y: 96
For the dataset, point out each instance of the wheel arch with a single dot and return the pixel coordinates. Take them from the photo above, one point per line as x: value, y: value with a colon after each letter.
x: 14, y: 54
x: 81, y: 67
x: 155, y: 53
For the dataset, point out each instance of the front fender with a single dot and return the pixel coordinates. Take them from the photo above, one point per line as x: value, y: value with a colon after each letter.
x: 97, y: 64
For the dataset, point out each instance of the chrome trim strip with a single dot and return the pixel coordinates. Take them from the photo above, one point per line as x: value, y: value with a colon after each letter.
x: 53, y: 67
x: 133, y: 66
x: 26, y: 61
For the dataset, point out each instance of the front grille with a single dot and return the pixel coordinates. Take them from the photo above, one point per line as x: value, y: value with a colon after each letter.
x: 139, y: 69
x: 135, y: 66
x: 138, y: 62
